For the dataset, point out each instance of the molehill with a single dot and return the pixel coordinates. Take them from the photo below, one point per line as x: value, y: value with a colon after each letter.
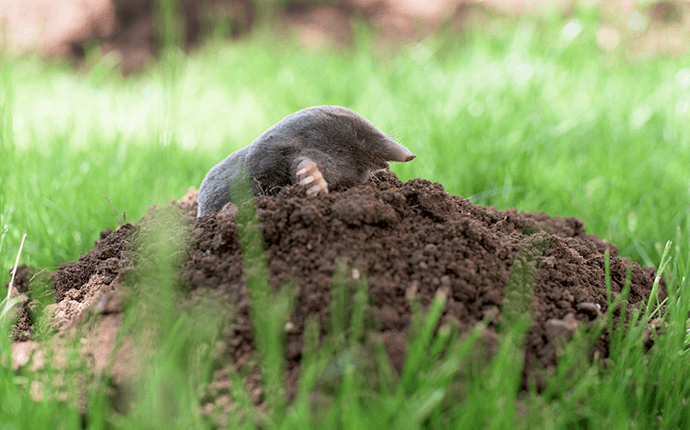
x: 410, y: 239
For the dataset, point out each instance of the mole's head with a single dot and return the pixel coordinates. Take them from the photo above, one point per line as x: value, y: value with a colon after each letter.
x: 349, y: 138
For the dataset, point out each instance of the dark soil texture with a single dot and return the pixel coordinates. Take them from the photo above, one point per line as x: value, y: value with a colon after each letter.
x: 410, y: 239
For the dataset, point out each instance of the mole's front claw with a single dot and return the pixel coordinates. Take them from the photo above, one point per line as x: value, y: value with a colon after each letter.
x: 308, y: 173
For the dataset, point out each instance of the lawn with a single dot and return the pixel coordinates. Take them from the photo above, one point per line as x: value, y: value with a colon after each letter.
x: 534, y: 118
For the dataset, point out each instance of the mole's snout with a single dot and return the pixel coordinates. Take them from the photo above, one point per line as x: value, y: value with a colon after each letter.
x: 397, y: 152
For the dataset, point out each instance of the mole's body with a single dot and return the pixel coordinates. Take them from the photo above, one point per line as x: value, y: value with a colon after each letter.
x: 319, y: 147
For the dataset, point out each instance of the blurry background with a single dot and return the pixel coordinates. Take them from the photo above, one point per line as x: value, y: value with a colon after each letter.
x: 574, y: 108
x: 134, y: 30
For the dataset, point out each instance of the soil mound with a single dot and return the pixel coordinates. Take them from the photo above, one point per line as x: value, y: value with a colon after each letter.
x: 410, y: 239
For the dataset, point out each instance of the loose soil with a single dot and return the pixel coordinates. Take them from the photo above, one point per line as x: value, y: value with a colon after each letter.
x: 410, y: 239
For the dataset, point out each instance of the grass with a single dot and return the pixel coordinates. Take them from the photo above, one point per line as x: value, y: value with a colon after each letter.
x: 526, y: 119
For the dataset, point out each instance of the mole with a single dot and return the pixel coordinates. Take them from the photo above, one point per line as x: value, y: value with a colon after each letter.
x: 319, y: 147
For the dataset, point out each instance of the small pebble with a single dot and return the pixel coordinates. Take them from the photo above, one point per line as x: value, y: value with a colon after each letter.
x: 590, y: 309
x: 565, y: 327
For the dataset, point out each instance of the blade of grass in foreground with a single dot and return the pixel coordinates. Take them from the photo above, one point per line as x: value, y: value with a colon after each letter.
x: 8, y: 303
x: 17, y: 408
x: 498, y: 380
x: 269, y: 312
x: 169, y: 335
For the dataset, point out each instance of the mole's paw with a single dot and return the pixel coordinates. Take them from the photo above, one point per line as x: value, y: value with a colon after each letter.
x: 308, y: 174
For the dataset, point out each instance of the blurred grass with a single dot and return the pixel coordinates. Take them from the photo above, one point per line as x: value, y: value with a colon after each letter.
x: 534, y: 119
x: 529, y: 121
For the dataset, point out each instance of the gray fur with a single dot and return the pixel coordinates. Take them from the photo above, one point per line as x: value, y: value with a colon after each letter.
x: 346, y: 148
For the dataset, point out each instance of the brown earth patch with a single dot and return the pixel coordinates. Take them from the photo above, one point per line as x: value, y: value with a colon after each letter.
x: 127, y: 32
x: 410, y: 239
